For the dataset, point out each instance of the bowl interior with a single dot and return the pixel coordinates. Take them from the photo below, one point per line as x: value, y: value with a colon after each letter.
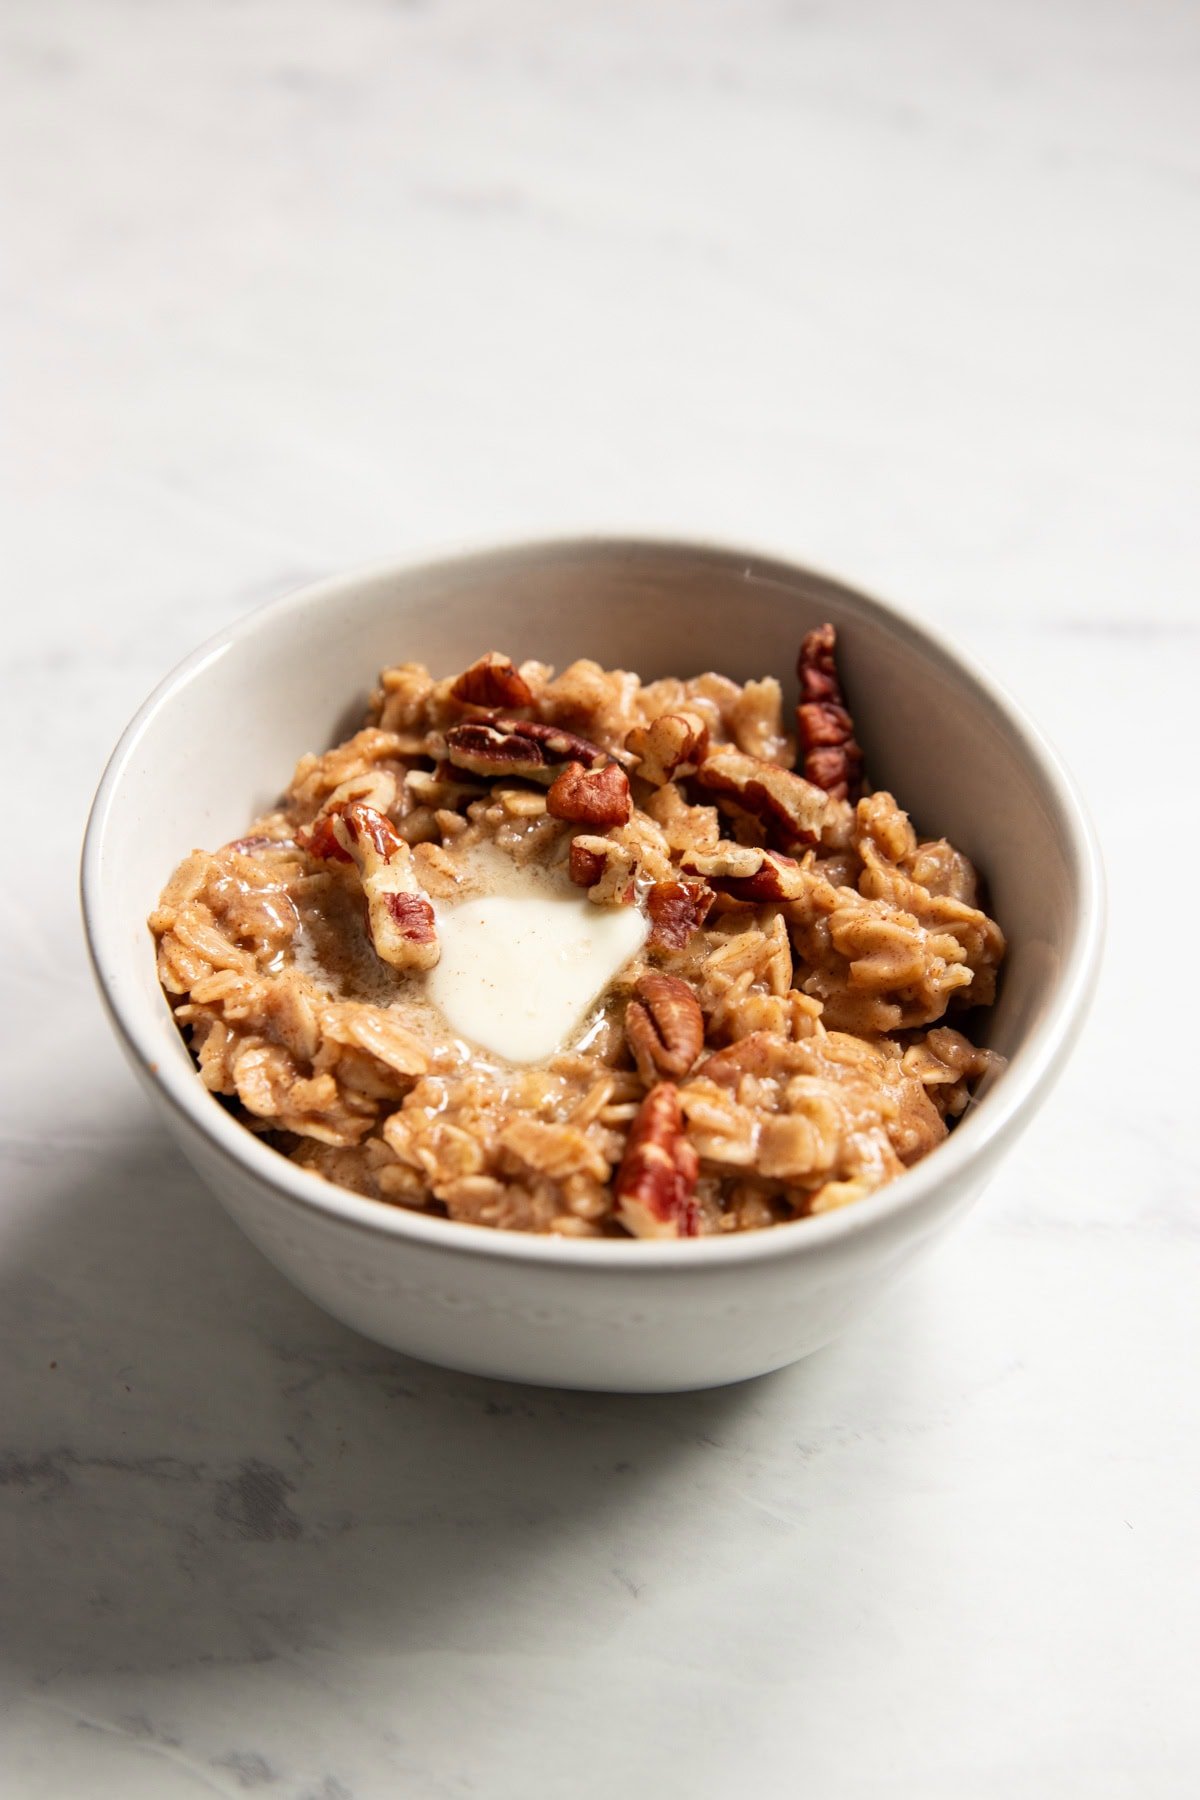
x: 217, y: 742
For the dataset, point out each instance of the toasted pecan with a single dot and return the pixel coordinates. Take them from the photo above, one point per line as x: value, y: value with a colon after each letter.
x: 673, y: 744
x: 320, y: 840
x: 793, y: 810
x: 596, y: 797
x: 399, y: 915
x: 745, y: 872
x: 824, y: 728
x: 605, y: 867
x: 664, y: 1027
x: 655, y: 1186
x: 588, y: 862
x: 677, y: 909
x: 492, y: 681
x: 503, y: 746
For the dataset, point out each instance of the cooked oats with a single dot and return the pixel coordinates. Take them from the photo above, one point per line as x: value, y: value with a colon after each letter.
x: 777, y: 1047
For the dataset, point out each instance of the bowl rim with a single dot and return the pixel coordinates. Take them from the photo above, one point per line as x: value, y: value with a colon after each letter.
x: 988, y: 1127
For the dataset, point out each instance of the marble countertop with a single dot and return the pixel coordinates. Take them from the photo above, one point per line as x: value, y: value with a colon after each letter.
x: 908, y: 292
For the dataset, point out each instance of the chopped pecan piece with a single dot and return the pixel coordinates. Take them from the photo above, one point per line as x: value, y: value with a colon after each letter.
x: 518, y: 747
x: 676, y: 909
x: 399, y: 916
x: 793, y: 809
x: 596, y: 797
x: 672, y: 744
x: 655, y: 1187
x: 605, y: 868
x: 320, y: 840
x: 587, y: 863
x: 664, y: 1027
x: 824, y: 728
x: 413, y: 914
x: 492, y: 681
x: 744, y: 872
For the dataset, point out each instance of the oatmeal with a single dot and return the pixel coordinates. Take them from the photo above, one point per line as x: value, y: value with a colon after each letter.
x: 580, y: 954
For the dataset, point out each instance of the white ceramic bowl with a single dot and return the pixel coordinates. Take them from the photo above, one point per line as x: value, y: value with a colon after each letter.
x: 213, y: 745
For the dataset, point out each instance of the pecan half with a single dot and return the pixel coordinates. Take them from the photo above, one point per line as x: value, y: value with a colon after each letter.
x: 676, y: 909
x: 672, y: 744
x: 558, y: 746
x: 492, y: 681
x: 399, y: 915
x: 792, y: 808
x: 655, y: 1186
x: 518, y: 747
x: 744, y: 872
x: 596, y: 797
x: 824, y: 727
x: 664, y: 1027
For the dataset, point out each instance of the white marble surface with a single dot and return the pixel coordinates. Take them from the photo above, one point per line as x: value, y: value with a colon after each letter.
x: 909, y: 291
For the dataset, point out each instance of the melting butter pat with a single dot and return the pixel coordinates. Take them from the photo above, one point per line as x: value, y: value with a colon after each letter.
x: 519, y: 972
